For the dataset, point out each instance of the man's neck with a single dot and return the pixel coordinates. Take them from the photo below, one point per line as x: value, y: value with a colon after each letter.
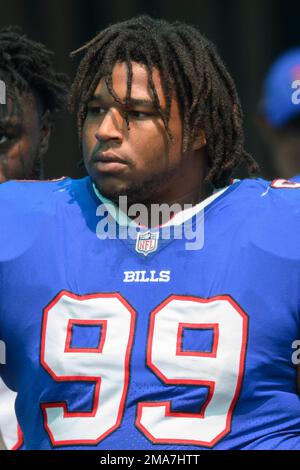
x: 159, y: 209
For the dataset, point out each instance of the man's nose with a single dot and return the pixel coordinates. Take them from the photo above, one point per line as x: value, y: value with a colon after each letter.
x: 111, y: 126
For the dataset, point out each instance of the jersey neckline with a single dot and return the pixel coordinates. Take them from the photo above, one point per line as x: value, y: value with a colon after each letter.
x: 180, y: 218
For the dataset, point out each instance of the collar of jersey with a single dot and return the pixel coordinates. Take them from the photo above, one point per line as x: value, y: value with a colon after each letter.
x: 123, y: 220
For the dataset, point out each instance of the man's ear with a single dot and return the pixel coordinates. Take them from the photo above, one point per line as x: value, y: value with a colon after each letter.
x: 45, y: 133
x: 200, y: 140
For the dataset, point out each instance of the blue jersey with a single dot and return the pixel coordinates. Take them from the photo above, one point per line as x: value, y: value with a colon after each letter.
x: 144, y: 341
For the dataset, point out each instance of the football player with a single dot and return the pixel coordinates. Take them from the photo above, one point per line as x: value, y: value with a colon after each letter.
x: 33, y: 93
x: 120, y: 336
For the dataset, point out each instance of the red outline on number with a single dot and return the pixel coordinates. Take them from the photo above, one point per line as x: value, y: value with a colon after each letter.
x: 282, y: 183
x: 99, y: 348
x: 20, y: 440
x: 210, y: 384
x: 97, y: 380
x: 197, y: 326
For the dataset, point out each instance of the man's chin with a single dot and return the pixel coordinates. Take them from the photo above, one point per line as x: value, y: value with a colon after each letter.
x: 135, y: 194
x: 143, y: 192
x: 112, y: 191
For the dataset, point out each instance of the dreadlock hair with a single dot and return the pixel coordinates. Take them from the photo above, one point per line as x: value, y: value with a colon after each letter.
x: 190, y: 66
x: 26, y: 67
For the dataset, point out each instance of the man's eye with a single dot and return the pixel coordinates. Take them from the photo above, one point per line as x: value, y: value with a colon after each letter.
x: 139, y: 114
x: 96, y: 110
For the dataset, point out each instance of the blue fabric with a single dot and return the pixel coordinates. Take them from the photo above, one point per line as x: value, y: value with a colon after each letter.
x: 251, y: 254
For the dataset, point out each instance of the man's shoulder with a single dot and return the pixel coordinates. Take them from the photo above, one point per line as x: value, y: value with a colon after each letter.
x: 270, y: 196
x: 40, y: 195
x: 26, y: 208
x: 13, y: 188
x: 269, y: 215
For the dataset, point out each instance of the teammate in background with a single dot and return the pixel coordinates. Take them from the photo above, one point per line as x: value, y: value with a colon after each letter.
x: 279, y: 113
x: 34, y: 93
x: 139, y: 342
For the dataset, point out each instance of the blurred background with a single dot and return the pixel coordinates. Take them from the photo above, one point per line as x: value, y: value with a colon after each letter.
x: 249, y: 35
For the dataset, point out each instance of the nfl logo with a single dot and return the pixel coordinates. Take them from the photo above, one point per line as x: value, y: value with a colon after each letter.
x: 147, y: 242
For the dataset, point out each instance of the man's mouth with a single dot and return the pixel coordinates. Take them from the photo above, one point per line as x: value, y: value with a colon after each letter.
x: 109, y: 162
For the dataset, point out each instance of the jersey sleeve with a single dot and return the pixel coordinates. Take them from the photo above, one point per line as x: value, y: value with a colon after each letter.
x: 276, y: 221
x: 275, y: 231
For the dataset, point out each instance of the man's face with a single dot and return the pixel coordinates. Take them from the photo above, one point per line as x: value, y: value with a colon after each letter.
x: 19, y: 138
x: 140, y: 161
